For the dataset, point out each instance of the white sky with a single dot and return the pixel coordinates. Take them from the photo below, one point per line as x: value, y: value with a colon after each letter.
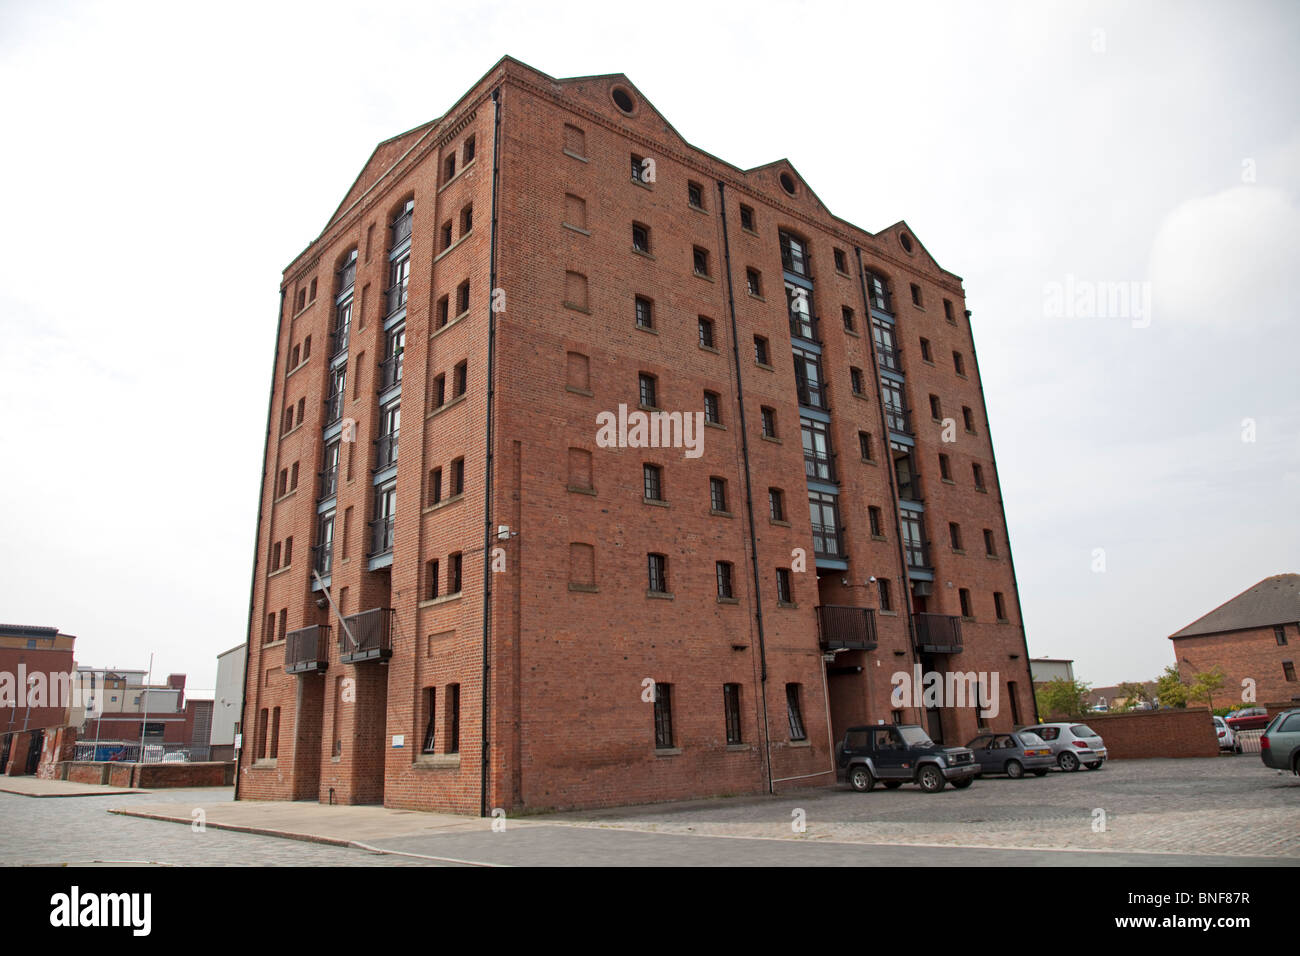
x: 163, y: 162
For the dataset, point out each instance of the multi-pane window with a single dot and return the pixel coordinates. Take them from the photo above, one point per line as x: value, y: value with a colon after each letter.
x: 886, y: 345
x: 776, y: 504
x: 963, y: 597
x: 342, y: 325
x: 847, y: 315
x: 864, y: 446
x: 731, y: 712
x: 648, y: 390
x: 855, y: 380
x: 399, y: 277
x: 329, y: 477
x: 761, y: 355
x: 395, y: 350
x: 337, y: 392
x: 382, y: 527
x: 798, y: 302
x: 990, y: 546
x: 324, y: 556
x: 916, y: 294
x: 712, y: 409
x: 657, y: 572
x: 878, y: 293
x: 794, y: 254
x: 645, y: 318
x: 706, y: 333
x: 795, y: 712
x: 663, y: 716
x: 818, y: 462
x: 914, y: 547
x: 1279, y: 634
x: 640, y: 237
x: 891, y: 396
x: 768, y: 416
x: 640, y: 169
x: 722, y: 570
x: 841, y: 263
x: 746, y: 218
x: 808, y: 378
x: 874, y: 521
x: 1288, y: 671
x: 700, y: 261
x: 783, y: 592
x: 695, y: 195
x: 430, y: 726
x: 653, y: 481
x: 390, y: 424
x: 886, y: 597
x: 824, y: 509
x: 753, y: 282
x: 718, y: 494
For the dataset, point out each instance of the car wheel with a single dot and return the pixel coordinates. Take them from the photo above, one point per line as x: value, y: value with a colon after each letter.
x: 1236, y: 748
x: 1041, y: 773
x: 860, y: 778
x: 1015, y: 769
x: 963, y: 783
x: 1093, y: 766
x: 930, y: 778
x: 893, y: 784
x: 1068, y: 761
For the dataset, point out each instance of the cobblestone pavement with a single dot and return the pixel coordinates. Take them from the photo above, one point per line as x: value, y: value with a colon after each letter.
x: 1230, y: 806
x: 81, y: 831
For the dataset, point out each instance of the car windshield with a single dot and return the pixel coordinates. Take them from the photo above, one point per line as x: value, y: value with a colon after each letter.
x: 1083, y: 730
x: 915, y: 737
x: 1030, y: 740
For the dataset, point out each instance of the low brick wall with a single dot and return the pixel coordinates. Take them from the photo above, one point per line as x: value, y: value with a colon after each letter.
x: 1156, y: 733
x: 149, y: 776
x: 18, y: 751
x: 58, y: 748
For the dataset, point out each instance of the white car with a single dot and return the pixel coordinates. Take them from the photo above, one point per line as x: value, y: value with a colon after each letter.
x: 1227, y: 739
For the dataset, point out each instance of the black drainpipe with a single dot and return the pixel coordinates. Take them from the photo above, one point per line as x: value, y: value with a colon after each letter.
x: 487, y: 480
x: 257, y: 543
x: 1015, y: 586
x: 749, y: 493
x: 906, y: 596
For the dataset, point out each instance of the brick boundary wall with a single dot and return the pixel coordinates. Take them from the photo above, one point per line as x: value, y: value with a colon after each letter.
x: 58, y: 748
x: 148, y: 776
x: 1156, y: 733
x: 18, y: 750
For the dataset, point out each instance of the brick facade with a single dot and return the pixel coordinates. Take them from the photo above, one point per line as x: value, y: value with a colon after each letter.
x: 573, y: 633
x: 1253, y: 654
x: 1157, y: 733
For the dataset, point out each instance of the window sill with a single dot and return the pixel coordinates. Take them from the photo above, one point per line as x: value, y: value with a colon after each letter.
x: 577, y: 229
x: 720, y: 514
x: 446, y: 405
x: 878, y: 537
x: 856, y: 335
x: 444, y: 599
x: 871, y: 461
x: 291, y: 430
x: 701, y: 275
x: 450, y: 323
x: 800, y: 743
x: 699, y: 209
x: 584, y: 588
x: 578, y: 490
x: 709, y: 348
x: 576, y: 308
x: 718, y: 425
x: 647, y: 329
x: 279, y: 571
x: 982, y: 491
x: 437, y: 762
x: 779, y: 523
x: 948, y: 481
x: 657, y: 502
x: 1004, y: 620
x: 738, y: 748
x: 644, y: 254
x: 667, y: 751
x: 278, y: 643
x: 960, y: 374
x: 755, y: 295
x: 572, y: 155
x: 580, y: 391
x: 752, y: 232
x: 841, y: 273
x: 958, y: 551
x: 286, y: 496
x: 730, y: 600
x: 452, y: 247
x: 889, y: 613
x: 303, y: 364
x: 862, y: 396
x: 991, y: 557
x: 266, y: 763
x: 929, y: 362
x: 439, y: 505
x: 661, y: 595
x: 774, y: 440
x: 643, y: 185
x: 459, y: 173
x: 765, y: 367
x: 789, y: 604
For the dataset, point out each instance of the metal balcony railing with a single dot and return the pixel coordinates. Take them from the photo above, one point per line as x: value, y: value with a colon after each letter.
x: 795, y: 260
x: 887, y: 356
x: 899, y: 419
x: 827, y: 542
x: 381, y: 535
x: 909, y: 487
x: 396, y: 298
x: 842, y: 627
x: 333, y: 408
x: 366, y: 635
x: 339, y: 340
x: 937, y: 633
x: 917, y: 554
x: 390, y: 372
x: 819, y: 467
x: 805, y: 326
x: 329, y: 482
x: 386, y: 450
x: 812, y: 396
x: 401, y: 229
x: 347, y: 277
x: 306, y: 650
x: 322, y: 557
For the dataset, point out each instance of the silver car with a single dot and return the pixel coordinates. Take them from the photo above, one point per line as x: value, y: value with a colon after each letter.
x: 1072, y: 744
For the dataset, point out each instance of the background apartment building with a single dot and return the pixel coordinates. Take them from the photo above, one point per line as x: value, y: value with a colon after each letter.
x: 511, y: 614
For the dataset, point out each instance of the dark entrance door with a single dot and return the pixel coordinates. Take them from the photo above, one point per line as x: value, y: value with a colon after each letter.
x: 34, y: 754
x: 5, y: 745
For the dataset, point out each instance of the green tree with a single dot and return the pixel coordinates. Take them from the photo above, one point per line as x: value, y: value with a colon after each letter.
x: 1061, y: 698
x: 1170, y: 689
x: 1205, y: 684
x: 1132, y: 694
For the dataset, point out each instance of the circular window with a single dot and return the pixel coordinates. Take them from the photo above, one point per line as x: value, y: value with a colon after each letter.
x: 787, y: 183
x: 905, y: 241
x: 623, y: 99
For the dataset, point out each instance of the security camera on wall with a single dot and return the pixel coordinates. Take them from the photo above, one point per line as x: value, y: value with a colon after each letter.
x: 871, y: 580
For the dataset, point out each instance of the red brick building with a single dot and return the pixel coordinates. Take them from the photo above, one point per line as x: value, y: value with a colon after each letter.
x: 1253, y: 637
x: 522, y: 614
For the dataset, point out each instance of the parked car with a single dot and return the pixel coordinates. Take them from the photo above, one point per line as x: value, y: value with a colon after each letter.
x: 896, y: 754
x: 1072, y: 744
x: 1252, y: 718
x: 1279, y: 745
x: 1013, y: 754
x: 1227, y: 739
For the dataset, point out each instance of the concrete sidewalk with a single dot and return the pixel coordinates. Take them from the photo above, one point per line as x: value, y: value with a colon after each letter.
x: 37, y: 787
x: 356, y: 826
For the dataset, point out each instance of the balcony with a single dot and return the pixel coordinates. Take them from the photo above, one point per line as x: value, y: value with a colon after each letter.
x: 306, y: 650
x: 396, y: 298
x: 333, y: 408
x: 844, y: 628
x: 812, y: 396
x: 804, y: 326
x: 909, y: 485
x: 937, y: 633
x: 371, y: 636
x: 827, y: 542
x: 917, y: 554
x: 887, y: 356
x: 329, y: 482
x: 386, y: 453
x: 795, y: 260
x: 339, y: 340
x: 322, y: 558
x: 899, y: 419
x: 390, y: 372
x: 819, y: 467
x: 401, y: 229
x: 381, y: 535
